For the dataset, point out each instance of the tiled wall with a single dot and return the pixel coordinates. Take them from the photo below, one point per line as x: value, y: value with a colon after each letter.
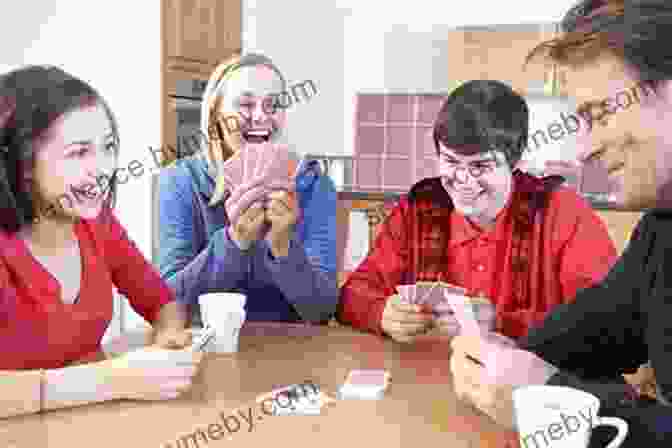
x: 394, y: 147
x: 393, y: 140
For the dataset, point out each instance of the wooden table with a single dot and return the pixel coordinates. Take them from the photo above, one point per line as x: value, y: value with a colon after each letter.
x: 419, y: 407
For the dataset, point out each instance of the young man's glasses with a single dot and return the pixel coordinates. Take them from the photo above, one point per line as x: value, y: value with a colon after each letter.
x: 476, y: 169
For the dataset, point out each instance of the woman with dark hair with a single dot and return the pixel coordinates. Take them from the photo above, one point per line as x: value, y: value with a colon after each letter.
x: 62, y: 252
x: 483, y: 224
x: 619, y: 65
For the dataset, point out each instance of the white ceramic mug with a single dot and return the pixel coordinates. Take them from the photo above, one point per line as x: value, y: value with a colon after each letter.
x: 560, y: 417
x: 225, y: 312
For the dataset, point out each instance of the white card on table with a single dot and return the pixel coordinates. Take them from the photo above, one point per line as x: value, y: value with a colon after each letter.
x: 365, y: 384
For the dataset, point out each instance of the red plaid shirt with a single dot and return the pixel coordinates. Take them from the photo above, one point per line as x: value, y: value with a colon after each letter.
x: 525, y: 266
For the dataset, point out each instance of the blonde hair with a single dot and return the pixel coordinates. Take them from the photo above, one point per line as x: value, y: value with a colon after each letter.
x: 216, y: 130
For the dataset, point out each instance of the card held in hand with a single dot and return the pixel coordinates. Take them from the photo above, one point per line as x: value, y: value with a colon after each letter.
x: 463, y: 313
x: 406, y: 292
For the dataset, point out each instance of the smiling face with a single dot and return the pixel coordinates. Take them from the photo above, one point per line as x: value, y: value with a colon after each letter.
x: 479, y: 185
x: 630, y: 134
x: 78, y: 150
x: 249, y: 100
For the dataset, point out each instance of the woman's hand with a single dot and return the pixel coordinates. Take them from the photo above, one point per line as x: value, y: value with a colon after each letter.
x: 152, y: 374
x: 172, y: 338
x: 248, y: 226
x: 282, y: 213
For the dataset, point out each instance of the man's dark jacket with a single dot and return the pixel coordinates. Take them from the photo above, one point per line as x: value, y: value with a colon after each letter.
x: 614, y: 327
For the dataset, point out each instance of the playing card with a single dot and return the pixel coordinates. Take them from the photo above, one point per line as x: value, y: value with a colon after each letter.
x: 365, y: 385
x: 373, y: 377
x: 405, y: 292
x: 251, y: 154
x: 296, y: 399
x: 237, y: 204
x: 232, y: 171
x: 432, y: 293
x: 268, y: 153
x: 282, y: 167
x: 464, y: 313
x: 427, y: 293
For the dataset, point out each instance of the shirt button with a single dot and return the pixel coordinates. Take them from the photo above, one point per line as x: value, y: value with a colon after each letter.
x: 480, y: 268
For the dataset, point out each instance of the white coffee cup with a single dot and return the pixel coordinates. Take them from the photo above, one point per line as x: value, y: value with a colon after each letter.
x: 225, y: 312
x: 560, y: 417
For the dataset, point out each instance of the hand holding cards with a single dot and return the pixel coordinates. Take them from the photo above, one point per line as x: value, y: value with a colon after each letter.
x: 429, y: 293
x: 253, y: 172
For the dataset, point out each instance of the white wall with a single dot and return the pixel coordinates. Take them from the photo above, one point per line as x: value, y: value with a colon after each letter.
x: 306, y: 41
x: 544, y: 112
x: 116, y: 47
x: 348, y: 46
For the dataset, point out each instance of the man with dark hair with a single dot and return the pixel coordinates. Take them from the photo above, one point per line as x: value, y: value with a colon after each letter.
x: 517, y: 240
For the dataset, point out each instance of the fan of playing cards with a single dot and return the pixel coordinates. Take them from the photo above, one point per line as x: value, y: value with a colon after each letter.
x: 430, y: 293
x: 445, y: 298
x: 255, y: 171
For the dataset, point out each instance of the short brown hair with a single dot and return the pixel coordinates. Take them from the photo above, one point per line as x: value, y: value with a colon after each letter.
x: 638, y: 31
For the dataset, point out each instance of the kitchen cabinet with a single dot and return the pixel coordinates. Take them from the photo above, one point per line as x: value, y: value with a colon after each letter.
x: 198, y: 34
x: 498, y: 52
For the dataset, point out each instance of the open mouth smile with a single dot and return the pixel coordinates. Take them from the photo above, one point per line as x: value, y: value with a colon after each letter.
x: 87, y: 194
x: 257, y: 135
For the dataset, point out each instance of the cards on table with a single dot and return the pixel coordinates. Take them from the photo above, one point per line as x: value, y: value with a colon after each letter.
x: 365, y: 385
x: 296, y: 399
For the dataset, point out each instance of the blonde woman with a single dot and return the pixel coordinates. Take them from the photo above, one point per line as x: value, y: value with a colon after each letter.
x: 282, y: 256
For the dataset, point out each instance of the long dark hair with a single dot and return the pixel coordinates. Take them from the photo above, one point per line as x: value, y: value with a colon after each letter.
x: 32, y: 98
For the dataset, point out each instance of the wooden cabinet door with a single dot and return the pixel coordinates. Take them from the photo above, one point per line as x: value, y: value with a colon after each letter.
x: 498, y: 53
x: 203, y: 31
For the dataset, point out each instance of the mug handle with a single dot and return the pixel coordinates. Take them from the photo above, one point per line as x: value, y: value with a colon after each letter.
x: 620, y: 424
